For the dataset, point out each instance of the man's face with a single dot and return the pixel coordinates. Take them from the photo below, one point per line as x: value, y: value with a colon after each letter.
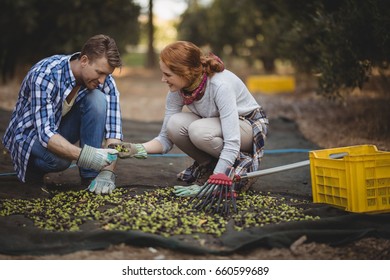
x: 94, y: 72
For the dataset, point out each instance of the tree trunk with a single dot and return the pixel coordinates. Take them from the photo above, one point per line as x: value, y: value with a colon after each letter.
x: 150, y: 58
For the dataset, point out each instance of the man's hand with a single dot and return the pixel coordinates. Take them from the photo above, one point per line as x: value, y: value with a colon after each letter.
x: 104, y: 183
x: 96, y: 159
x: 129, y: 150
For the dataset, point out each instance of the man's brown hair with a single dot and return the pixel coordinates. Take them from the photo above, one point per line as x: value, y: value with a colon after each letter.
x: 102, y: 46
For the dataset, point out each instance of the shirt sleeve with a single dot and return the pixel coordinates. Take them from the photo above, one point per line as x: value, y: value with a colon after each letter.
x: 173, y: 105
x: 43, y: 91
x: 114, y: 119
x: 226, y: 103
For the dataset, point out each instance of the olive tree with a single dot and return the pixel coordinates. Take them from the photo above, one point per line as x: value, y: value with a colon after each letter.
x: 32, y: 29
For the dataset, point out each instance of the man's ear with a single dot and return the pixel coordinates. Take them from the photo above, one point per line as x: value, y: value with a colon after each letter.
x: 84, y: 60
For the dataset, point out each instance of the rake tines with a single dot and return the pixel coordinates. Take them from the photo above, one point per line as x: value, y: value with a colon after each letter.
x: 216, y: 196
x: 204, y: 197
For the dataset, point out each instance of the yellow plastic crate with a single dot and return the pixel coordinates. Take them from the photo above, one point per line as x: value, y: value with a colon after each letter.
x: 270, y: 84
x: 358, y: 182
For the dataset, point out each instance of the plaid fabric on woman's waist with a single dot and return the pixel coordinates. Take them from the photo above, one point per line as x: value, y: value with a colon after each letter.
x: 251, y: 162
x: 257, y: 114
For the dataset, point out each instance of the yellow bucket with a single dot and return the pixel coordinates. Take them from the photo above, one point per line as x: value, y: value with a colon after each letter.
x: 359, y: 182
x: 270, y: 84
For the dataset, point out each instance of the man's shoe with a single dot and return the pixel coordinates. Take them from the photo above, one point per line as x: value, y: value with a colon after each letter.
x: 85, y: 182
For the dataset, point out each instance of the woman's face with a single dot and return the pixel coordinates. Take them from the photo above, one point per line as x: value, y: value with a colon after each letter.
x: 174, y: 81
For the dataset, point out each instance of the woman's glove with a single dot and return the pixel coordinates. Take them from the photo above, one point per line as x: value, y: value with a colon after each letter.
x: 104, y: 183
x: 187, y: 191
x: 96, y: 159
x: 227, y: 178
x: 129, y: 150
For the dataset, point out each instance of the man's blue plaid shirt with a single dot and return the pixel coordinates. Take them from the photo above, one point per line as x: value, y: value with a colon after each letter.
x: 37, y: 114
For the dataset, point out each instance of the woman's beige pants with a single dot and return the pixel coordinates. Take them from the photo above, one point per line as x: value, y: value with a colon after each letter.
x: 201, y: 138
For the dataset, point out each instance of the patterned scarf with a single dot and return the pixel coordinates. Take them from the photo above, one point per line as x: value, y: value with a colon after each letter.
x: 190, y: 95
x: 198, y: 88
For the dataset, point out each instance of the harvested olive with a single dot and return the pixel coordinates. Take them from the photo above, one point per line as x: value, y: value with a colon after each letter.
x: 158, y: 212
x: 121, y: 148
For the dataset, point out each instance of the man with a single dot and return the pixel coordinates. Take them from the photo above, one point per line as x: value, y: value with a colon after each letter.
x: 63, y: 100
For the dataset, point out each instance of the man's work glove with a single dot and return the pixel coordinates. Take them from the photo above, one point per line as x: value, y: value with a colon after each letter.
x: 96, y: 159
x: 187, y: 191
x: 104, y: 183
x: 129, y: 150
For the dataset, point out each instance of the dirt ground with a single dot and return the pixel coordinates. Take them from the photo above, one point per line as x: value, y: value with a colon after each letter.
x: 361, y: 118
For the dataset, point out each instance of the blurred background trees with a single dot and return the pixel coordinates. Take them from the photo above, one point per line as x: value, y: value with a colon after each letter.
x: 339, y: 42
x: 33, y: 29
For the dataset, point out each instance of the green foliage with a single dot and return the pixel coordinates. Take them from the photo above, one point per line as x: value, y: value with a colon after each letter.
x: 33, y: 29
x: 235, y: 27
x: 133, y: 59
x: 192, y: 26
x: 340, y: 41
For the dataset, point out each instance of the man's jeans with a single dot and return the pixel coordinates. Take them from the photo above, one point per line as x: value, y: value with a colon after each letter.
x: 85, y: 122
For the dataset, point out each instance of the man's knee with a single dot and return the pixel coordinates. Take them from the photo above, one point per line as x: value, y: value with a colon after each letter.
x: 96, y: 102
x: 57, y: 164
x: 37, y: 167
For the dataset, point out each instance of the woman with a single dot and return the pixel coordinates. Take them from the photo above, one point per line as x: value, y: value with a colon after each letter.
x: 225, y: 129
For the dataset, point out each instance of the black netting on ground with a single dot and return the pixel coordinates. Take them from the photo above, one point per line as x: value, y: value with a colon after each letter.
x: 19, y: 236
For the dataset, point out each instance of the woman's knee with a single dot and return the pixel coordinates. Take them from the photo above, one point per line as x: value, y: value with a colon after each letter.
x: 178, y: 124
x: 206, y: 135
x: 198, y: 134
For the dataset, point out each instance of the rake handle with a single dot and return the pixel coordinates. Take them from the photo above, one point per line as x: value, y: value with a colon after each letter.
x: 275, y: 169
x: 286, y: 167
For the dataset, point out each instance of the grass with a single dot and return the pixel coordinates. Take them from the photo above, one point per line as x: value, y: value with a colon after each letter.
x: 135, y: 59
